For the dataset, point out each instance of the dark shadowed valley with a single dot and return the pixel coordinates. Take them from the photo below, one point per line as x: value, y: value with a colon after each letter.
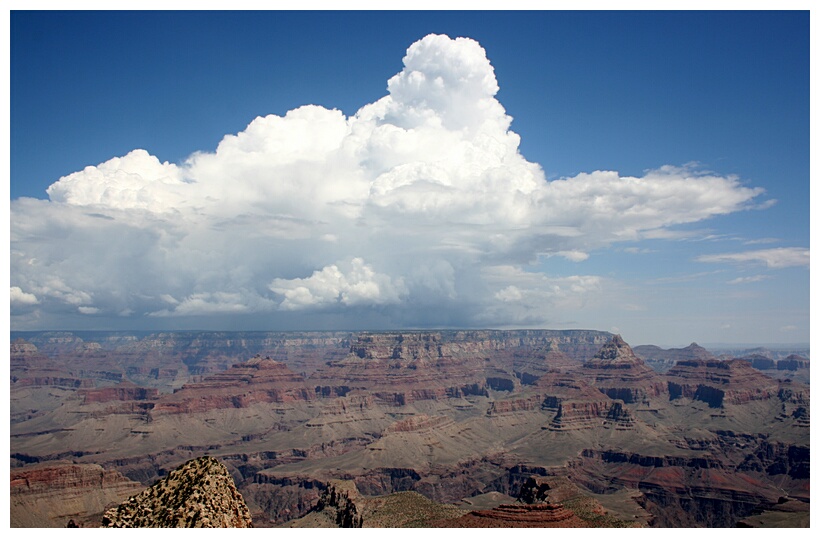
x: 517, y: 428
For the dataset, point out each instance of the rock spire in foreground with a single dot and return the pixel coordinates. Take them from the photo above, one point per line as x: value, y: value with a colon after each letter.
x: 200, y: 493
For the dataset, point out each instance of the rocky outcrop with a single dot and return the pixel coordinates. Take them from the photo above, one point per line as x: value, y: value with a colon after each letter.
x: 618, y: 373
x: 200, y: 493
x: 719, y: 382
x: 51, y: 494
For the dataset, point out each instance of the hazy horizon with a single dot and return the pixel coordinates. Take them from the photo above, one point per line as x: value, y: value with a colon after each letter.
x: 665, y: 345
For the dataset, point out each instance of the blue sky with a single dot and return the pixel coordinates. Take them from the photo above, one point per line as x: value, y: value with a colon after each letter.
x: 721, y: 99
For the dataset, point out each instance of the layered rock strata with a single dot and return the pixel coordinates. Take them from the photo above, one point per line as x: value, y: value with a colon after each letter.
x: 577, y: 405
x: 718, y: 382
x: 51, y: 494
x: 618, y: 373
x: 257, y: 380
x: 29, y: 367
x: 398, y: 369
x: 122, y: 392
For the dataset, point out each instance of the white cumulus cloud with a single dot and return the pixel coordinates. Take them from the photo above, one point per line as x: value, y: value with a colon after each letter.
x: 356, y: 283
x: 420, y: 202
x: 19, y: 297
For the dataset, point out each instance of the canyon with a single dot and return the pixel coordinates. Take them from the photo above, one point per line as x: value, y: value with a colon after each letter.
x: 478, y: 428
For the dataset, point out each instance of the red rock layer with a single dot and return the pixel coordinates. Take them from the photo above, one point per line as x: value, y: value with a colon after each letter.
x: 698, y: 483
x: 618, y: 373
x: 400, y: 368
x: 48, y: 495
x: 579, y: 405
x: 258, y: 380
x: 719, y: 382
x: 514, y: 405
x: 125, y: 391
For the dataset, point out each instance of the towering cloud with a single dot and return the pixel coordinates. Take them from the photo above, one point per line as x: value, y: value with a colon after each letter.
x: 418, y: 203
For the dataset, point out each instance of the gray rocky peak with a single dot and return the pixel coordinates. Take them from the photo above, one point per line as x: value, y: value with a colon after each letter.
x: 200, y: 493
